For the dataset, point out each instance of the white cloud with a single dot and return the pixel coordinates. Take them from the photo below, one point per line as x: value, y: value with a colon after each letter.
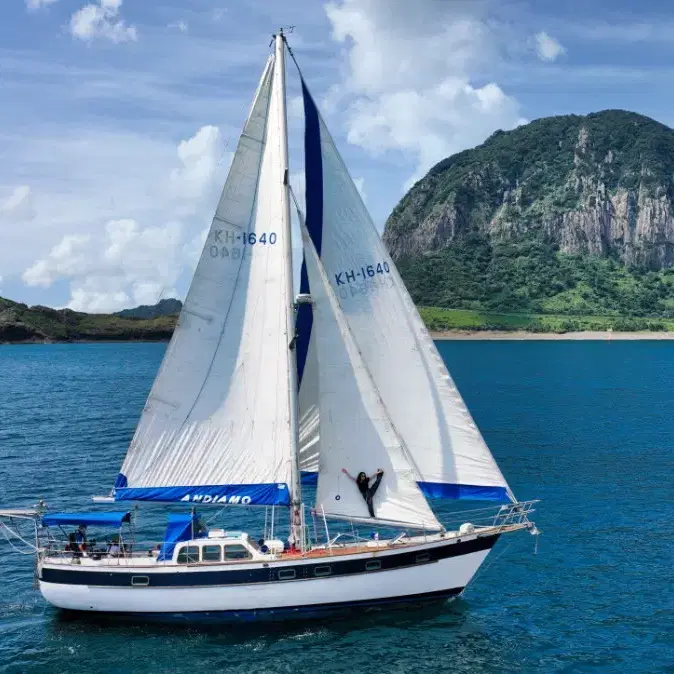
x: 199, y: 157
x: 547, y: 48
x: 126, y: 265
x: 101, y: 21
x: 409, y: 77
x: 37, y: 4
x: 179, y: 25
x: 66, y: 258
x: 18, y: 206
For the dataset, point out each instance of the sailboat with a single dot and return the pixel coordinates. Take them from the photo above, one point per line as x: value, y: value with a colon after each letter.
x: 263, y: 392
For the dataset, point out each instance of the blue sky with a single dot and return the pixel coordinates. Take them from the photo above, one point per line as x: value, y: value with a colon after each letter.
x: 118, y: 118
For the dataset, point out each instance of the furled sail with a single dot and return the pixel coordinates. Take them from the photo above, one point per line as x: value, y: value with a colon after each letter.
x: 422, y: 400
x: 356, y: 432
x: 216, y: 425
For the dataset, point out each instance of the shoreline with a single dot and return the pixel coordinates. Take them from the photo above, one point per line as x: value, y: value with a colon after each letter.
x: 515, y: 335
x: 28, y: 342
x: 441, y: 336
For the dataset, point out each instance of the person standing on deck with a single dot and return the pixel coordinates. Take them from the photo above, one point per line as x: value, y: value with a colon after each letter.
x: 80, y: 541
x: 363, y: 484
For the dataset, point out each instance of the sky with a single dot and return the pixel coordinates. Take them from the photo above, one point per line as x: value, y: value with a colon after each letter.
x: 118, y: 118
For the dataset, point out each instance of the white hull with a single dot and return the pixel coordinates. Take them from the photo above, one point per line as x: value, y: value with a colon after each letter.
x: 440, y: 578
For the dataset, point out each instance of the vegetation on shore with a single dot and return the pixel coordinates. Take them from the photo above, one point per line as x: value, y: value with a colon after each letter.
x: 21, y: 323
x: 531, y: 276
x: 443, y: 320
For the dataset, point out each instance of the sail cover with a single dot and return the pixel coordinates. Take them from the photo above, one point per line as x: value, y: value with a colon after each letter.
x: 422, y: 400
x: 216, y: 425
x: 356, y: 432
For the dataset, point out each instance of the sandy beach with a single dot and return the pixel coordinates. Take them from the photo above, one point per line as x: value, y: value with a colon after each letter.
x: 521, y: 335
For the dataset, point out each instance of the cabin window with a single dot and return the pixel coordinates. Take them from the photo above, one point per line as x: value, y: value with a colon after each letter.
x: 236, y: 552
x: 211, y: 553
x: 322, y: 571
x: 373, y: 566
x: 286, y: 574
x: 140, y: 581
x: 423, y: 558
x: 189, y: 554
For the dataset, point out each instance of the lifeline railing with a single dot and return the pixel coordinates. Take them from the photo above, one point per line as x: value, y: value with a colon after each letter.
x: 503, y: 516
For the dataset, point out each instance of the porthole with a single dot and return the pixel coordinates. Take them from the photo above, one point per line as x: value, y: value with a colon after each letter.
x: 140, y: 581
x: 374, y: 565
x: 286, y: 574
x: 322, y: 571
x: 423, y: 558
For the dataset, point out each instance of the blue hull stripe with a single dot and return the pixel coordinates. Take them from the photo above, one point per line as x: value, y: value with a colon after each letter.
x: 463, y: 492
x: 284, y: 613
x: 241, y: 494
x: 313, y: 175
x: 265, y: 573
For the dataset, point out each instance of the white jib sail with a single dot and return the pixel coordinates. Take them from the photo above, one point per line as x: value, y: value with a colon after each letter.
x: 423, y: 402
x: 356, y: 433
x: 216, y: 424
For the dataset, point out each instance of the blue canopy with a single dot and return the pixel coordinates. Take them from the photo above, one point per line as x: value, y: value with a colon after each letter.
x: 94, y: 519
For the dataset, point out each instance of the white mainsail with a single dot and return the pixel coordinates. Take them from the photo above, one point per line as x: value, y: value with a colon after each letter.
x: 422, y: 400
x: 356, y: 432
x: 216, y: 427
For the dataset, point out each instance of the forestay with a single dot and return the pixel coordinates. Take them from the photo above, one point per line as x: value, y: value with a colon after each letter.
x: 215, y: 428
x: 424, y: 404
x: 355, y: 430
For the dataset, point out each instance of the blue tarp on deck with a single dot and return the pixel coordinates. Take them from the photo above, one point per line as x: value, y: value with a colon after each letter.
x: 180, y: 527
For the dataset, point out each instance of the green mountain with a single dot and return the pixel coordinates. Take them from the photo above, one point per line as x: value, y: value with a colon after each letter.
x: 168, y: 307
x: 20, y: 323
x: 570, y: 215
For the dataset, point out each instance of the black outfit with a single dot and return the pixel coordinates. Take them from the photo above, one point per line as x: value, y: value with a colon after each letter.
x: 367, y: 491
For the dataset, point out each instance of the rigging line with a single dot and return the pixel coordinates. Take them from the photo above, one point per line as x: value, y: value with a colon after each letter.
x: 30, y: 546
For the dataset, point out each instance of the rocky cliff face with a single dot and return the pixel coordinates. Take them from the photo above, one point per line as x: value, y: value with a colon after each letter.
x: 601, y: 184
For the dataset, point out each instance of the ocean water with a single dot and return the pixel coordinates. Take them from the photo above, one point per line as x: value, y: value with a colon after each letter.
x: 588, y: 427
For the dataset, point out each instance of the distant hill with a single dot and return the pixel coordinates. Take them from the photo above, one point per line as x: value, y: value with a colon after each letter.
x: 169, y: 307
x: 570, y: 215
x: 21, y: 323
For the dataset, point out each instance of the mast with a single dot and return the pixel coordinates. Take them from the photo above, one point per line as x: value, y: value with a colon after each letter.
x: 295, y: 486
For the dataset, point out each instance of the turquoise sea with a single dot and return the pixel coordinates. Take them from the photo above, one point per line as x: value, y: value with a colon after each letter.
x: 588, y: 427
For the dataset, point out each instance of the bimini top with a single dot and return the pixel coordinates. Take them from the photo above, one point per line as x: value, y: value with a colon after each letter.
x: 115, y: 519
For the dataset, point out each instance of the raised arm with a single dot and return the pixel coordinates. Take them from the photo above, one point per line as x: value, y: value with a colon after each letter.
x: 346, y: 472
x: 379, y: 471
